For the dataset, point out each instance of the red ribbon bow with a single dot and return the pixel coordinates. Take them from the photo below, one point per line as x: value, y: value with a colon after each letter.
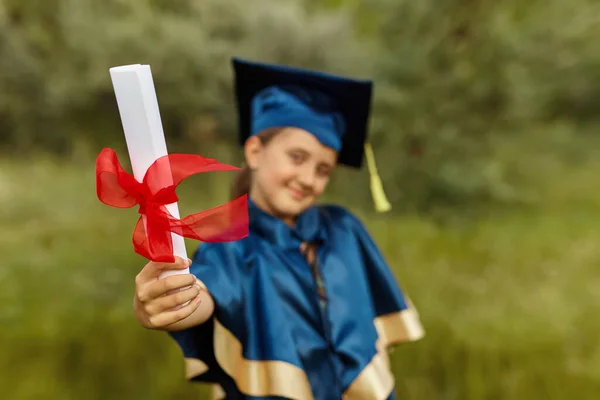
x: 152, y: 235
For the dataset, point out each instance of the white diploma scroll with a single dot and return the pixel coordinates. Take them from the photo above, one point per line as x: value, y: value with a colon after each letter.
x: 142, y: 125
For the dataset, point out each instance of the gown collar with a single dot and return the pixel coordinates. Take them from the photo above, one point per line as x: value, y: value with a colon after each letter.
x: 308, y: 227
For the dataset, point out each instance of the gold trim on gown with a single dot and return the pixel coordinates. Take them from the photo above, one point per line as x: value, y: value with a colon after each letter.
x: 278, y: 378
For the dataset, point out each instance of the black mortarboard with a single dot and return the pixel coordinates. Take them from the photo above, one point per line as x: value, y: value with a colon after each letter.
x: 334, y: 109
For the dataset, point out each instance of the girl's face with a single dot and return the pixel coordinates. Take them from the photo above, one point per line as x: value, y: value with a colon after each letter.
x: 289, y: 173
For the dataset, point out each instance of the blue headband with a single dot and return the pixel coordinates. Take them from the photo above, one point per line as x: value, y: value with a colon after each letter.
x: 290, y: 106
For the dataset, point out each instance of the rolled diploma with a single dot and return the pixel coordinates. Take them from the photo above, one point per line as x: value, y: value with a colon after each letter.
x: 142, y: 125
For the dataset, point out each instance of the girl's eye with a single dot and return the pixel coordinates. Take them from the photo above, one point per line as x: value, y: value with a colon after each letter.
x: 323, y: 171
x: 296, y: 157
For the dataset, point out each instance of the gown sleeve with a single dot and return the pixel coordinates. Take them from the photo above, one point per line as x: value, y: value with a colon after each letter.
x: 218, y: 266
x: 397, y: 320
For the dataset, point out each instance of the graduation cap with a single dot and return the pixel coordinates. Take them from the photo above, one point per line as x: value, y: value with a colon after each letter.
x: 333, y: 108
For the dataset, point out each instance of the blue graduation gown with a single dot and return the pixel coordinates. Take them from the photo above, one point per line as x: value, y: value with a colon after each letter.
x: 268, y: 337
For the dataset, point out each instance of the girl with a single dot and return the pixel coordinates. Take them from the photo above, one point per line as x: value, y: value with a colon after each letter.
x: 305, y: 306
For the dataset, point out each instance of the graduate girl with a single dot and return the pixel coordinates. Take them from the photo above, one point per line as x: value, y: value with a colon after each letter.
x: 306, y: 306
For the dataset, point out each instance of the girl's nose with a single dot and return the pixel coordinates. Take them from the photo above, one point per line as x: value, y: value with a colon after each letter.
x: 306, y: 178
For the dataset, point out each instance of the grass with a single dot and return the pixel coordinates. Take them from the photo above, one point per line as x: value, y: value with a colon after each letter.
x: 509, y: 300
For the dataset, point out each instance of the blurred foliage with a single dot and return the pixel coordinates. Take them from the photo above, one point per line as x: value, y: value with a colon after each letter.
x: 459, y: 82
x: 482, y: 108
x: 56, y: 54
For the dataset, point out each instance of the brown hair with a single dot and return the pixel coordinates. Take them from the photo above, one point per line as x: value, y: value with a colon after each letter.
x: 243, y: 180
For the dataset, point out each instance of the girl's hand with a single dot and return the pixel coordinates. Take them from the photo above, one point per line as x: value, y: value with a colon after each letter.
x: 159, y: 303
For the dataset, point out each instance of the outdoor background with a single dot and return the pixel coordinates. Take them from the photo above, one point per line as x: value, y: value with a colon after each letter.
x: 485, y: 128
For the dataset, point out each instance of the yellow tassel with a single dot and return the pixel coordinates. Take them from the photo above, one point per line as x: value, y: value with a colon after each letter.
x: 379, y: 198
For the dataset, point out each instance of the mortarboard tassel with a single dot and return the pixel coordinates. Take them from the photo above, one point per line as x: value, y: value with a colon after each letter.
x: 379, y: 198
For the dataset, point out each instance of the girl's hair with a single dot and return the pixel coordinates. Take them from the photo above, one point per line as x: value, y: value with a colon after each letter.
x: 243, y: 180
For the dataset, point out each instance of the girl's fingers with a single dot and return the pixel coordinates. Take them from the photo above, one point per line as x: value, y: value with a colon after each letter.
x: 170, y: 317
x: 172, y: 301
x: 161, y: 287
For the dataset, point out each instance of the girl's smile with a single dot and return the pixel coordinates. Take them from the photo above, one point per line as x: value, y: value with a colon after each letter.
x: 297, y: 194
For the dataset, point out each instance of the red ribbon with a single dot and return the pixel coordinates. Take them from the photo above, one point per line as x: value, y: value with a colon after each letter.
x: 152, y: 239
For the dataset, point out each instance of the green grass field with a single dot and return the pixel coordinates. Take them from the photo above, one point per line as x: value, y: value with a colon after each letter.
x: 510, y: 300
